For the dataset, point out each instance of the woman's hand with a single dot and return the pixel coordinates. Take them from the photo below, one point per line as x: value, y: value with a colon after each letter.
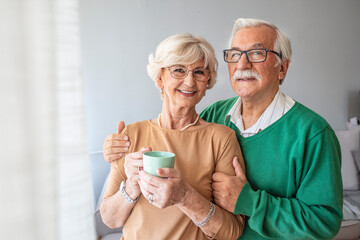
x: 133, y: 162
x: 116, y: 145
x: 165, y: 192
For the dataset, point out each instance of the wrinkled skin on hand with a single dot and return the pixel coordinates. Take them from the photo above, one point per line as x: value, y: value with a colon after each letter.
x: 116, y: 144
x: 226, y: 189
x: 134, y: 162
x: 168, y: 191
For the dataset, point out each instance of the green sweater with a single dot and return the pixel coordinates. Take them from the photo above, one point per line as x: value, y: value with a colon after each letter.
x: 294, y: 173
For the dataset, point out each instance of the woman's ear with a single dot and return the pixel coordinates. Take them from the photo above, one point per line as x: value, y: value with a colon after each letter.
x: 159, y: 83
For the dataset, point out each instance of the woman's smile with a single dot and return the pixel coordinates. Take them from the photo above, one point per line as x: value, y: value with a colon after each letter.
x: 187, y: 93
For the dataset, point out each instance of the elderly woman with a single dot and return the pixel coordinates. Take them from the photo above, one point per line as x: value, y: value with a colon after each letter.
x: 178, y: 205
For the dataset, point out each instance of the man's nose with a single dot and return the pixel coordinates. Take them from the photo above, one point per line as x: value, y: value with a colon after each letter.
x: 243, y: 62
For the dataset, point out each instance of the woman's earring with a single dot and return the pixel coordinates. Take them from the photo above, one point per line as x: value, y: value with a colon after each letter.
x: 162, y: 93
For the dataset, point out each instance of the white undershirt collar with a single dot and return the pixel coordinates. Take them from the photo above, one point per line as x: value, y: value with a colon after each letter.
x: 277, y: 108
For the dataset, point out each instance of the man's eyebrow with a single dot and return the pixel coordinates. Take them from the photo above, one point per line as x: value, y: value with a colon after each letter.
x: 258, y: 45
x: 255, y: 45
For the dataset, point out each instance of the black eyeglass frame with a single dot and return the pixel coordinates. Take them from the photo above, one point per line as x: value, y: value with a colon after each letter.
x: 246, y: 54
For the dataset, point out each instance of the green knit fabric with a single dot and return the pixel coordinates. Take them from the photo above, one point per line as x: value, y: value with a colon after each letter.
x: 294, y: 173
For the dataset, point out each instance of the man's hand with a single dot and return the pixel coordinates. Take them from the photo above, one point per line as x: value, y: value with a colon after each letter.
x: 226, y: 189
x: 116, y: 145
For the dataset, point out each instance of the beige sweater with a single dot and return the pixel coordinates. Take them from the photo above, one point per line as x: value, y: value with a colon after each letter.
x: 198, y: 154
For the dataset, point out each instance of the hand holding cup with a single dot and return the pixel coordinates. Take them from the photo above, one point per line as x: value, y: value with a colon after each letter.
x: 153, y: 160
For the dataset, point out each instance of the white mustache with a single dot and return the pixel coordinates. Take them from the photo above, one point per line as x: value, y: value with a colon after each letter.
x: 245, y: 74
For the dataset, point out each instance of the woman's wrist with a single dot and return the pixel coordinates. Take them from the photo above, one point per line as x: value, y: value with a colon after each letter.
x: 203, y: 212
x: 211, y: 213
x: 194, y: 205
x: 186, y: 200
x: 133, y: 190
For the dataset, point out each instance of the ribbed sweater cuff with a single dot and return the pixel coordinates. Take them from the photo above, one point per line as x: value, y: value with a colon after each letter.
x: 245, y: 201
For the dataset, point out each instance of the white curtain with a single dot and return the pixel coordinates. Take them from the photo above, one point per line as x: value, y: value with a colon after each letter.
x: 45, y: 180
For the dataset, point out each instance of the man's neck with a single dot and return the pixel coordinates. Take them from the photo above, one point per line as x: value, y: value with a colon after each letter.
x: 252, y: 109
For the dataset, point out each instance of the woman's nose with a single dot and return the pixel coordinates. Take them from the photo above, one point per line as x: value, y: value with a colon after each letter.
x: 190, y: 79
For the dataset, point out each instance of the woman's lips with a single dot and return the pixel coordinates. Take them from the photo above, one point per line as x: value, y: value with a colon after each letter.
x: 187, y: 93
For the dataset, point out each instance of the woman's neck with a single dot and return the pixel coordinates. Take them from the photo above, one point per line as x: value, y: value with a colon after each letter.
x: 177, y: 118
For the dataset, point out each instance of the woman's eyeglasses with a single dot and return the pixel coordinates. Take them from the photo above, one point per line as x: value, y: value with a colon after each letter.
x: 181, y: 72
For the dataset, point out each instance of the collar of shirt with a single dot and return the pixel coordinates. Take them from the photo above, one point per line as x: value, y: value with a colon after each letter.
x: 277, y: 108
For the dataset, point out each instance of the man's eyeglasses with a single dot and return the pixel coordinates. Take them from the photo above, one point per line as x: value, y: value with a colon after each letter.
x: 252, y: 55
x: 181, y: 72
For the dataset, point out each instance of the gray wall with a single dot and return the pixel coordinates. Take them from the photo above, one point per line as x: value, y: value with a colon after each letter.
x: 118, y: 36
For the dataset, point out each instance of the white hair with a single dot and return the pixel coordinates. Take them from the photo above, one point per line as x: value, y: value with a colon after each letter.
x: 183, y: 49
x: 282, y: 43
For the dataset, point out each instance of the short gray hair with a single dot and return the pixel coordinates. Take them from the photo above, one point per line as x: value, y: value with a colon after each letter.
x: 282, y: 43
x: 183, y: 49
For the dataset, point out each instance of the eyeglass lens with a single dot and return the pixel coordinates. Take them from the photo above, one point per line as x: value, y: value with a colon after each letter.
x: 179, y: 72
x: 254, y: 55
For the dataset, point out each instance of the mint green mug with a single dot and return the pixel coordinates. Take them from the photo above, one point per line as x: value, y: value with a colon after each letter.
x: 157, y: 159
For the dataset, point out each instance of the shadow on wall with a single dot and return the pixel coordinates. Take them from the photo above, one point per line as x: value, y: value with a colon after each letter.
x: 354, y: 104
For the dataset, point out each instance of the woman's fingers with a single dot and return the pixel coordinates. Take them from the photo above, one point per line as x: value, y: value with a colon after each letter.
x: 150, y: 182
x: 133, y: 165
x: 139, y: 154
x: 168, y: 172
x: 166, y: 192
x: 149, y: 191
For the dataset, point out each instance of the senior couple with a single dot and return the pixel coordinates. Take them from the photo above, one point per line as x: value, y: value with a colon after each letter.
x: 291, y: 187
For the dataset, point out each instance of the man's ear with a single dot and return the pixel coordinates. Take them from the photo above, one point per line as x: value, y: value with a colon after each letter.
x: 284, y: 66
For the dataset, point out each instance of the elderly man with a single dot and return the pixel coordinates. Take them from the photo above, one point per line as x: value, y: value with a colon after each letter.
x: 292, y: 155
x: 293, y: 187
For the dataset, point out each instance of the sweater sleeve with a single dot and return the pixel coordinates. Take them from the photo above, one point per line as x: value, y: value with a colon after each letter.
x: 315, y: 212
x: 233, y: 225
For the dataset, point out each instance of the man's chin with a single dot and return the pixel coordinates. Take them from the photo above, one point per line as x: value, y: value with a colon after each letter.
x: 244, y: 93
x: 241, y: 85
